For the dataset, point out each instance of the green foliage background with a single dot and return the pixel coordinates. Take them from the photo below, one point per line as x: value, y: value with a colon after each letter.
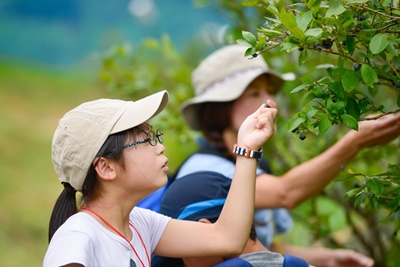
x: 33, y: 98
x: 367, y: 221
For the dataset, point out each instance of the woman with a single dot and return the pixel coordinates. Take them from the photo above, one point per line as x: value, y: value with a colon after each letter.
x: 106, y: 150
x: 227, y: 88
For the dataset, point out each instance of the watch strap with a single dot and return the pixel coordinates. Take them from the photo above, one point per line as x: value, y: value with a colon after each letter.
x: 247, y: 152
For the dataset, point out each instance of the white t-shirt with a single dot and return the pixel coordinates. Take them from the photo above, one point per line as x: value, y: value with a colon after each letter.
x: 82, y: 239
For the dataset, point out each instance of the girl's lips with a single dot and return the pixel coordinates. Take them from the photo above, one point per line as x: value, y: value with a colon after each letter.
x: 165, y: 167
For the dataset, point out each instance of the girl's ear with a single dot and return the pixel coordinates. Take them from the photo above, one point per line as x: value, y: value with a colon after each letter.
x: 105, y: 168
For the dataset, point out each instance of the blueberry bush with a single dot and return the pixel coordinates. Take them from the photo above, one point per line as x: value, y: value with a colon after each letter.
x: 346, y: 60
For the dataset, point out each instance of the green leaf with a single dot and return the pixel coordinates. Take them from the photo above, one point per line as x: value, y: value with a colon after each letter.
x: 375, y: 186
x: 359, y: 199
x: 294, y: 122
x: 243, y: 42
x: 398, y: 100
x: 288, y: 47
x: 350, y: 80
x: 350, y: 121
x: 373, y: 90
x: 330, y: 105
x: 392, y: 50
x: 334, y: 9
x: 318, y: 90
x: 310, y: 97
x: 307, y: 79
x: 303, y: 20
x: 314, y: 6
x: 311, y: 113
x: 324, y: 125
x: 353, y: 192
x: 249, y: 37
x: 348, y: 176
x: 273, y: 10
x: 289, y: 21
x: 336, y: 73
x: 340, y: 105
x: 350, y: 44
x: 352, y: 109
x: 337, y: 88
x: 357, y: 1
x: 299, y: 88
x: 250, y: 51
x: 269, y: 32
x: 369, y: 75
x: 378, y: 43
x: 314, y: 32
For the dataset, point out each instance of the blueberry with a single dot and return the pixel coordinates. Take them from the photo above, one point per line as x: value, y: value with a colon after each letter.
x: 356, y: 185
x: 255, y: 55
x: 317, y: 45
x: 357, y: 67
x: 344, y: 42
x: 327, y: 44
x: 301, y: 48
x: 361, y: 18
x: 302, y: 137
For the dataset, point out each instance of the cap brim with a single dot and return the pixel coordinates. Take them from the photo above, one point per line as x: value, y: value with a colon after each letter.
x: 140, y: 111
x: 226, y: 92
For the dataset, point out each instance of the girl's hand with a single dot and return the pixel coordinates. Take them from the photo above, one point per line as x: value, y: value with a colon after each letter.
x: 258, y: 127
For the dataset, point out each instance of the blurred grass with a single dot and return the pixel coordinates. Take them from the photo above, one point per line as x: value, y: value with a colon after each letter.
x: 32, y: 100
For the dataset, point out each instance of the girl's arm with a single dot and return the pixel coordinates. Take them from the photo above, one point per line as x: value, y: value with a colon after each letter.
x: 230, y: 233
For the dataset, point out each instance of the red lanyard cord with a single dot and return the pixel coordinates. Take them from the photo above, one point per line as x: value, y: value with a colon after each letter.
x: 121, y: 235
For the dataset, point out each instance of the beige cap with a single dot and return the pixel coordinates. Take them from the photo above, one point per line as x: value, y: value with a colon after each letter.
x: 223, y: 76
x: 83, y: 130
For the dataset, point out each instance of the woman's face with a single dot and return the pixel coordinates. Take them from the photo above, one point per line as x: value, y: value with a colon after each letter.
x: 251, y: 99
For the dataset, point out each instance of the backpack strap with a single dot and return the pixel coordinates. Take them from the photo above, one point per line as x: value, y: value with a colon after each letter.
x: 292, y: 261
x: 234, y: 262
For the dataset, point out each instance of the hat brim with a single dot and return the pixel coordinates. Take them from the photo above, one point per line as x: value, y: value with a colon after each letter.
x: 140, y: 111
x: 228, y: 91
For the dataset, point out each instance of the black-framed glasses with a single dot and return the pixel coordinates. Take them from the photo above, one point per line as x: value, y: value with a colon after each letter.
x: 152, y: 138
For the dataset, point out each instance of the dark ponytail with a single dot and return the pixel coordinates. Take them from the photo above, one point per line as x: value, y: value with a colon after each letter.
x: 67, y: 204
x: 64, y: 208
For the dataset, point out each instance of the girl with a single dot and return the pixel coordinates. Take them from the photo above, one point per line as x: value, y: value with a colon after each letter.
x: 106, y: 150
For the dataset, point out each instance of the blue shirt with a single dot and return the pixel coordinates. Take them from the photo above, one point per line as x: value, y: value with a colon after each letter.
x: 267, y: 221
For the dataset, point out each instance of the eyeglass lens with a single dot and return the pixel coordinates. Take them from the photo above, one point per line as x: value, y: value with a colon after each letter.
x: 154, y: 136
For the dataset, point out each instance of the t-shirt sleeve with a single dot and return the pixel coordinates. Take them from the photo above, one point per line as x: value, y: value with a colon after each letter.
x: 69, y: 247
x: 152, y: 225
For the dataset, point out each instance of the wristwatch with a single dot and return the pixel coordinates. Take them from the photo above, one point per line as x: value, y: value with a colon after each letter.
x: 247, y: 152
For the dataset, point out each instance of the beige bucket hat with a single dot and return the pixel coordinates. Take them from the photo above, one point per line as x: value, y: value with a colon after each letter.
x: 82, y: 131
x: 223, y: 76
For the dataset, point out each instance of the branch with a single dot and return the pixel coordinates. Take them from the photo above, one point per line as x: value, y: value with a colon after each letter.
x: 380, y: 116
x: 380, y: 13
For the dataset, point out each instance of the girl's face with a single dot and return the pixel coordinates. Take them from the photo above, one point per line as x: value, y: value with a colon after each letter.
x: 255, y: 94
x: 146, y: 165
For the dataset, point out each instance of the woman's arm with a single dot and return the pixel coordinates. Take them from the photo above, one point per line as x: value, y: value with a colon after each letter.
x: 325, y: 257
x: 309, y: 178
x: 230, y: 233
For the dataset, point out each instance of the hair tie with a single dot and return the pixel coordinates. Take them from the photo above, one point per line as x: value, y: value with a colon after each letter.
x: 69, y: 188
